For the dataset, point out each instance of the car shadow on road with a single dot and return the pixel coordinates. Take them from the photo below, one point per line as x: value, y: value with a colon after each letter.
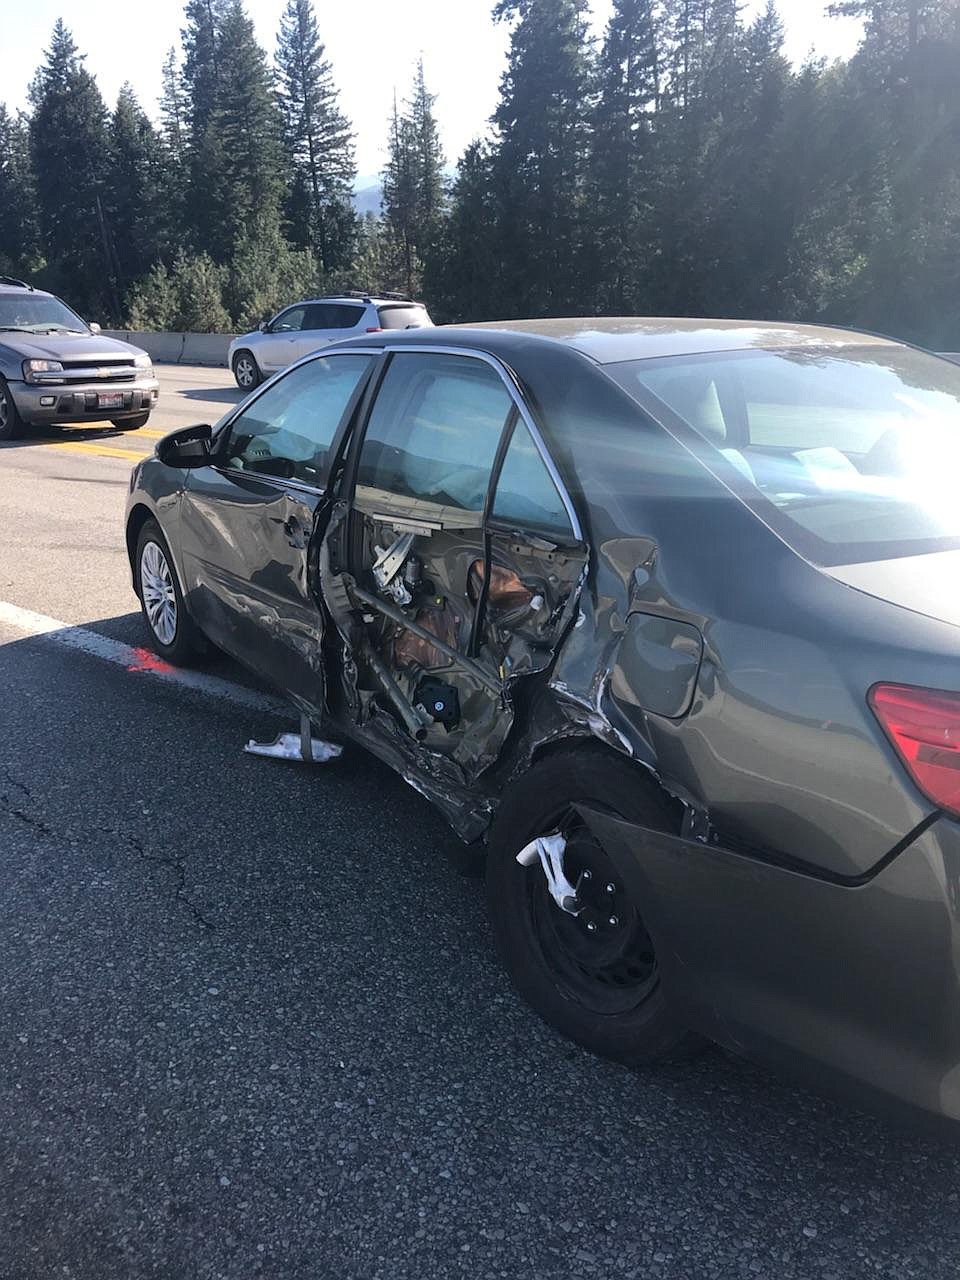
x: 66, y: 435
x: 222, y: 395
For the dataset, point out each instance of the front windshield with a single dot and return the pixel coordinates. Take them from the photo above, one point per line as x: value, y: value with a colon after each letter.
x: 851, y: 453
x: 37, y: 313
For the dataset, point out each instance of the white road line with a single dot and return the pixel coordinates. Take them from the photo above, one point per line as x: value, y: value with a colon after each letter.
x: 136, y: 660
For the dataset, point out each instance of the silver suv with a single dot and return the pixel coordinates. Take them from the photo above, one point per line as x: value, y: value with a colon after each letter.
x: 54, y: 367
x: 305, y: 326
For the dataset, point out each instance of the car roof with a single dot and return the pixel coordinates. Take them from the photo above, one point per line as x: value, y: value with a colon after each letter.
x: 609, y: 339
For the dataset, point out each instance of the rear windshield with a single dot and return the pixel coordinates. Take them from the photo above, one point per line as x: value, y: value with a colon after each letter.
x: 852, y: 454
x: 403, y: 317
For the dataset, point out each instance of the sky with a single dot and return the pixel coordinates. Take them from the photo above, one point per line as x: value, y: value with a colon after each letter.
x: 372, y: 45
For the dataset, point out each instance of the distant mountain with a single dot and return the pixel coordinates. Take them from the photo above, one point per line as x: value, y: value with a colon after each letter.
x: 368, y: 190
x: 368, y: 194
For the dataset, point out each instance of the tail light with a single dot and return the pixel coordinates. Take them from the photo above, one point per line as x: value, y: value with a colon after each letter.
x: 375, y: 329
x: 924, y: 727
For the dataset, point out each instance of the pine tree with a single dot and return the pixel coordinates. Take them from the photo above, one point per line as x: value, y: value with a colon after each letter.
x: 462, y: 273
x: 68, y: 147
x: 414, y: 185
x: 319, y: 141
x: 623, y: 163
x: 400, y: 204
x: 543, y: 128
x: 429, y: 161
x: 141, y: 222
x: 19, y: 247
x: 173, y: 108
x: 236, y: 161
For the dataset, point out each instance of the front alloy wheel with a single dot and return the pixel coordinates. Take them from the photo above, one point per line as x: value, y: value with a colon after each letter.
x: 174, y: 634
x: 246, y: 371
x: 158, y: 594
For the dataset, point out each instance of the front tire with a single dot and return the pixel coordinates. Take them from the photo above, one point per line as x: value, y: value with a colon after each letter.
x: 593, y: 976
x: 246, y: 371
x: 173, y: 633
x: 11, y: 424
x: 131, y: 424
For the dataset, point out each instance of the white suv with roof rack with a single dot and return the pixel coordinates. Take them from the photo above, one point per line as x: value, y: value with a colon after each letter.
x: 303, y: 327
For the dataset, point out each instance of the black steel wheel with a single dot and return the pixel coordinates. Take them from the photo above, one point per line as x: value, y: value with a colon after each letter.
x: 602, y: 957
x: 591, y: 970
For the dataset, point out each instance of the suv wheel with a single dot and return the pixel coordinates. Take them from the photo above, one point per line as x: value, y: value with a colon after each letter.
x: 11, y: 424
x: 246, y: 371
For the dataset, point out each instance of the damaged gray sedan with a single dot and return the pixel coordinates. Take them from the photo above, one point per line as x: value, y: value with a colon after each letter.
x: 664, y: 615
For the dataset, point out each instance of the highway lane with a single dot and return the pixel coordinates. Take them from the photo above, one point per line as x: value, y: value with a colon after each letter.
x: 251, y: 1025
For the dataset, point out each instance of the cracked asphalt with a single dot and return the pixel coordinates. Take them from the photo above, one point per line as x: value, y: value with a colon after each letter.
x: 251, y: 1023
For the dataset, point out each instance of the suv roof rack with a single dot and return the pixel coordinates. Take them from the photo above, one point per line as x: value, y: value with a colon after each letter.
x: 17, y: 284
x: 368, y: 295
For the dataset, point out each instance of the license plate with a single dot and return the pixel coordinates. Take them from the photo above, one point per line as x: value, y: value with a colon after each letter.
x: 109, y: 399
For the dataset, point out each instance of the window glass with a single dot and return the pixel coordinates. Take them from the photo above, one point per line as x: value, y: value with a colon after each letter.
x: 526, y: 493
x: 37, y: 311
x: 434, y: 430
x: 332, y: 315
x: 290, y: 321
x: 288, y: 429
x: 853, y: 453
x: 403, y: 317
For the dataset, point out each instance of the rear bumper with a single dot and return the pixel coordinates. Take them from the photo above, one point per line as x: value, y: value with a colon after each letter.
x: 855, y: 988
x: 80, y: 403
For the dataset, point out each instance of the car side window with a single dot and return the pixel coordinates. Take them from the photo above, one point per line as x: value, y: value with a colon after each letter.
x: 288, y: 429
x: 332, y: 315
x: 434, y: 430
x: 290, y: 321
x: 526, y: 494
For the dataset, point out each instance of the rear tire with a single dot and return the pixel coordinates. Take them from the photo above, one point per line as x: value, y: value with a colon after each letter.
x: 173, y: 633
x: 131, y: 424
x: 246, y: 371
x: 593, y: 976
x: 12, y: 426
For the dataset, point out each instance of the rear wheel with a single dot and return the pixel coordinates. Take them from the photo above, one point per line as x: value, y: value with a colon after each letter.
x: 173, y: 632
x: 11, y: 424
x: 593, y: 975
x: 131, y: 424
x: 246, y: 371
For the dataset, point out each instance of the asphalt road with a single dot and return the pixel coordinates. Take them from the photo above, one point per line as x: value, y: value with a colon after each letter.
x: 251, y: 1024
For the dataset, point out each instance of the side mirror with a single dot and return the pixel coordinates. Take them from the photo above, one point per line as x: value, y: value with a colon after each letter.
x: 263, y: 326
x: 93, y: 327
x: 188, y: 447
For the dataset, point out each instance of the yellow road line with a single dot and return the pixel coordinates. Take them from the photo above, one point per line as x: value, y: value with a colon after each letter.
x: 100, y: 450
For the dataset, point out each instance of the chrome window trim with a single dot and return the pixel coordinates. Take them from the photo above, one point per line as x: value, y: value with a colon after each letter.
x: 509, y: 380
